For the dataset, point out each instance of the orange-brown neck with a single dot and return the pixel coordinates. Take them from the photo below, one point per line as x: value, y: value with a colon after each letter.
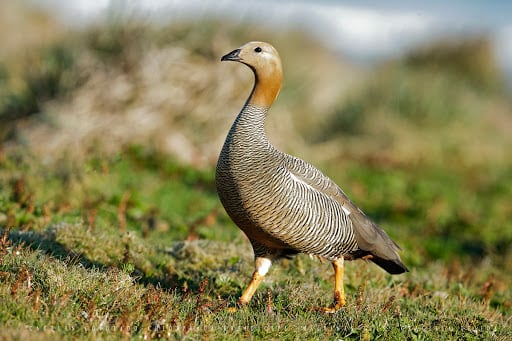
x: 266, y: 88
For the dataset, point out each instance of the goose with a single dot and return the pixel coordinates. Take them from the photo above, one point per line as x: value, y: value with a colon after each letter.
x: 283, y: 204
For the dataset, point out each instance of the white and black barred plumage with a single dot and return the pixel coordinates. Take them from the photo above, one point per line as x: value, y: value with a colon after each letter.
x: 283, y: 204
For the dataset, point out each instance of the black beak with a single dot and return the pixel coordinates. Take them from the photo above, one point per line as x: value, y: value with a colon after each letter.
x: 233, y: 56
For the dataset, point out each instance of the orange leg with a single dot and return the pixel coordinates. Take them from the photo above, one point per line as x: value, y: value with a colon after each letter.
x: 262, y: 266
x: 251, y: 288
x: 339, y: 292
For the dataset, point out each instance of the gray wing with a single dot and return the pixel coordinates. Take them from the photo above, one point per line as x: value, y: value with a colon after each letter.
x: 369, y: 236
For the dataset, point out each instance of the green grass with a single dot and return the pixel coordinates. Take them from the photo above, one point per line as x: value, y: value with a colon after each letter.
x: 127, y: 270
x: 59, y: 296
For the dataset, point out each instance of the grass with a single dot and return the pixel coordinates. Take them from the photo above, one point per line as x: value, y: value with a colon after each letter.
x: 111, y: 265
x: 101, y: 239
x: 58, y: 296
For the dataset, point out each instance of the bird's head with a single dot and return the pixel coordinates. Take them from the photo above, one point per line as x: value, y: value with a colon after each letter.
x: 265, y: 62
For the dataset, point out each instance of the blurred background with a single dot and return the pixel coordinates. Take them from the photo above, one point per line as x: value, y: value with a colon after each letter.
x: 407, y: 105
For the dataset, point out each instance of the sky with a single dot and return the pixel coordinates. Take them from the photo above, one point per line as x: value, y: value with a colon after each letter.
x: 364, y: 30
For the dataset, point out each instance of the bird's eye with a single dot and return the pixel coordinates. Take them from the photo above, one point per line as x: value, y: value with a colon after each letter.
x: 257, y: 49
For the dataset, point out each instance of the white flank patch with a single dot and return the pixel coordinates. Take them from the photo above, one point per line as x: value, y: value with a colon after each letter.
x: 294, y: 178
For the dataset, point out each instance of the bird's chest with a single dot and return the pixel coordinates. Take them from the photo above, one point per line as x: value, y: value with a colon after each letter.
x: 245, y: 177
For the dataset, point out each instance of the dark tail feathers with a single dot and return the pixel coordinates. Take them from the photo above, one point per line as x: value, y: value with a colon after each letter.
x: 394, y: 267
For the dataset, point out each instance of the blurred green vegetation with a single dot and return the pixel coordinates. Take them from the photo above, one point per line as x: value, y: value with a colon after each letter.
x: 134, y: 242
x: 41, y: 77
x: 472, y: 61
x: 427, y: 90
